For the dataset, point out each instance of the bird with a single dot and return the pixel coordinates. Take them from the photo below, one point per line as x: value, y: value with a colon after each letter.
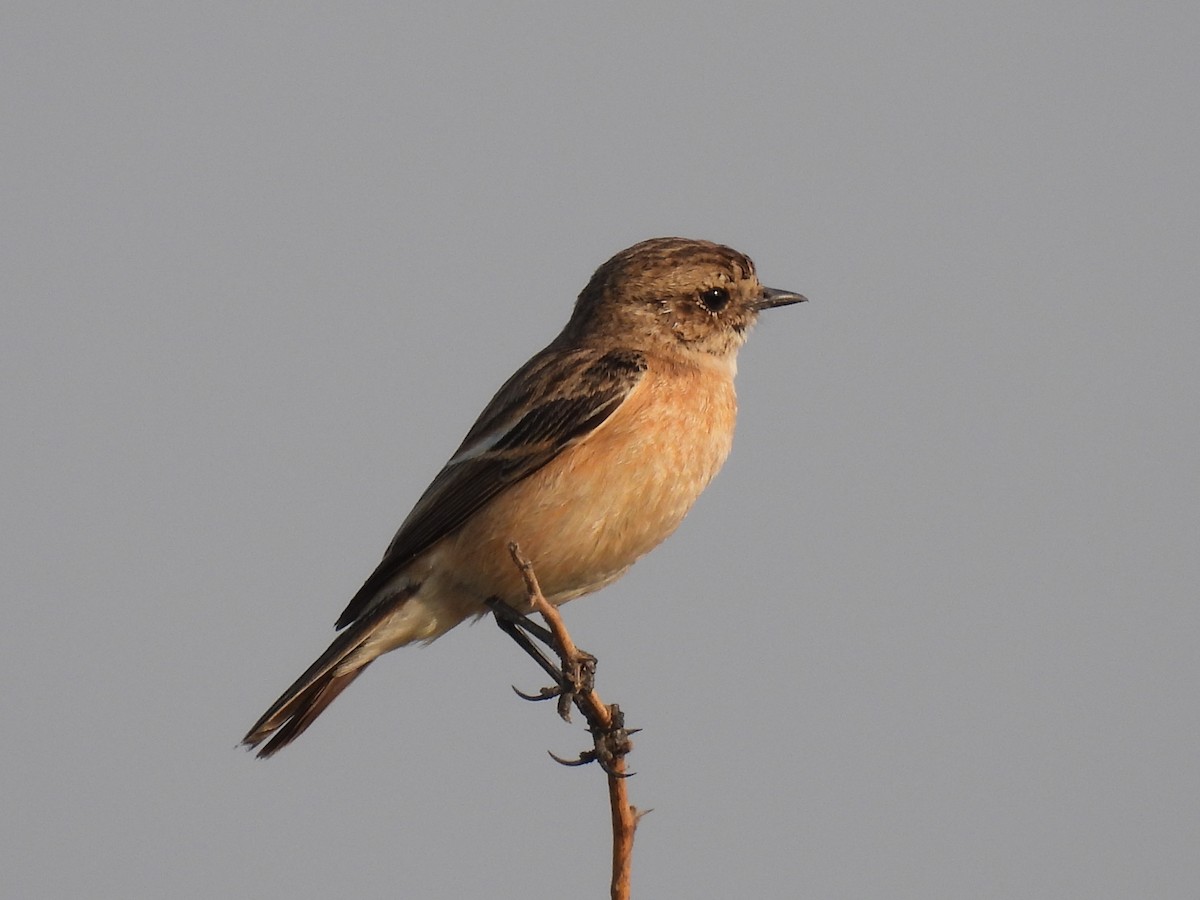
x: 587, y: 458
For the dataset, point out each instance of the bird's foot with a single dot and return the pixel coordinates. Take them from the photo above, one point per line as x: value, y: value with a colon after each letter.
x: 612, y: 743
x: 574, y: 675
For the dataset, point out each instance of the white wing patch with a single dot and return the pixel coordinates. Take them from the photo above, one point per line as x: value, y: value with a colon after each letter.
x: 481, y: 446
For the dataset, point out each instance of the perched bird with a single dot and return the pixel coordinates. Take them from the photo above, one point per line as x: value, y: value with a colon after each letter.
x: 588, y: 457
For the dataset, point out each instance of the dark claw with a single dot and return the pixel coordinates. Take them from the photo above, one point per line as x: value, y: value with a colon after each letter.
x: 607, y: 756
x: 543, y: 694
x: 585, y: 757
x: 591, y: 756
x: 609, y: 770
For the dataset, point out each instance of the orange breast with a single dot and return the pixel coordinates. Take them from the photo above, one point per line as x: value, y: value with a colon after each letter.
x: 594, y: 510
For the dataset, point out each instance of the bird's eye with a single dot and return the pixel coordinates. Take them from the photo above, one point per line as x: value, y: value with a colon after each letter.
x: 714, y: 299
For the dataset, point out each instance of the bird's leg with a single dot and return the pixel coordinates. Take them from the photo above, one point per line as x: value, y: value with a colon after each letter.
x: 513, y: 630
x: 577, y: 672
x: 504, y: 612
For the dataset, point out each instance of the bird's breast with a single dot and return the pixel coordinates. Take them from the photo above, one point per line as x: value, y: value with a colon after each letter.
x: 602, y: 503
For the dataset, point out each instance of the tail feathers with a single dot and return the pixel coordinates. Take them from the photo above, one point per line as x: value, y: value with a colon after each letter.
x: 304, y: 708
x: 307, y: 698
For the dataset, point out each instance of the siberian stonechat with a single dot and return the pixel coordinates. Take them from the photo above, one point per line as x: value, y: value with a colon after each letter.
x: 587, y: 458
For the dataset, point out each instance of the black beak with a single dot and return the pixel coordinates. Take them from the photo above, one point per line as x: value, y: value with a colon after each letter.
x: 772, y: 297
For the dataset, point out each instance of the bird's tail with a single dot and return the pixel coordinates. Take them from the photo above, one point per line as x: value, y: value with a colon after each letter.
x: 319, y: 686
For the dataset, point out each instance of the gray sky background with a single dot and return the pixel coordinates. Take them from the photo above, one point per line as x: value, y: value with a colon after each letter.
x: 931, y: 634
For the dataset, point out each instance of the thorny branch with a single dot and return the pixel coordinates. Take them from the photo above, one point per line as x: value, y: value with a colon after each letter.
x: 605, y: 722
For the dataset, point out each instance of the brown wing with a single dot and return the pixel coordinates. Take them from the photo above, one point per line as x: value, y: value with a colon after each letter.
x: 514, y: 437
